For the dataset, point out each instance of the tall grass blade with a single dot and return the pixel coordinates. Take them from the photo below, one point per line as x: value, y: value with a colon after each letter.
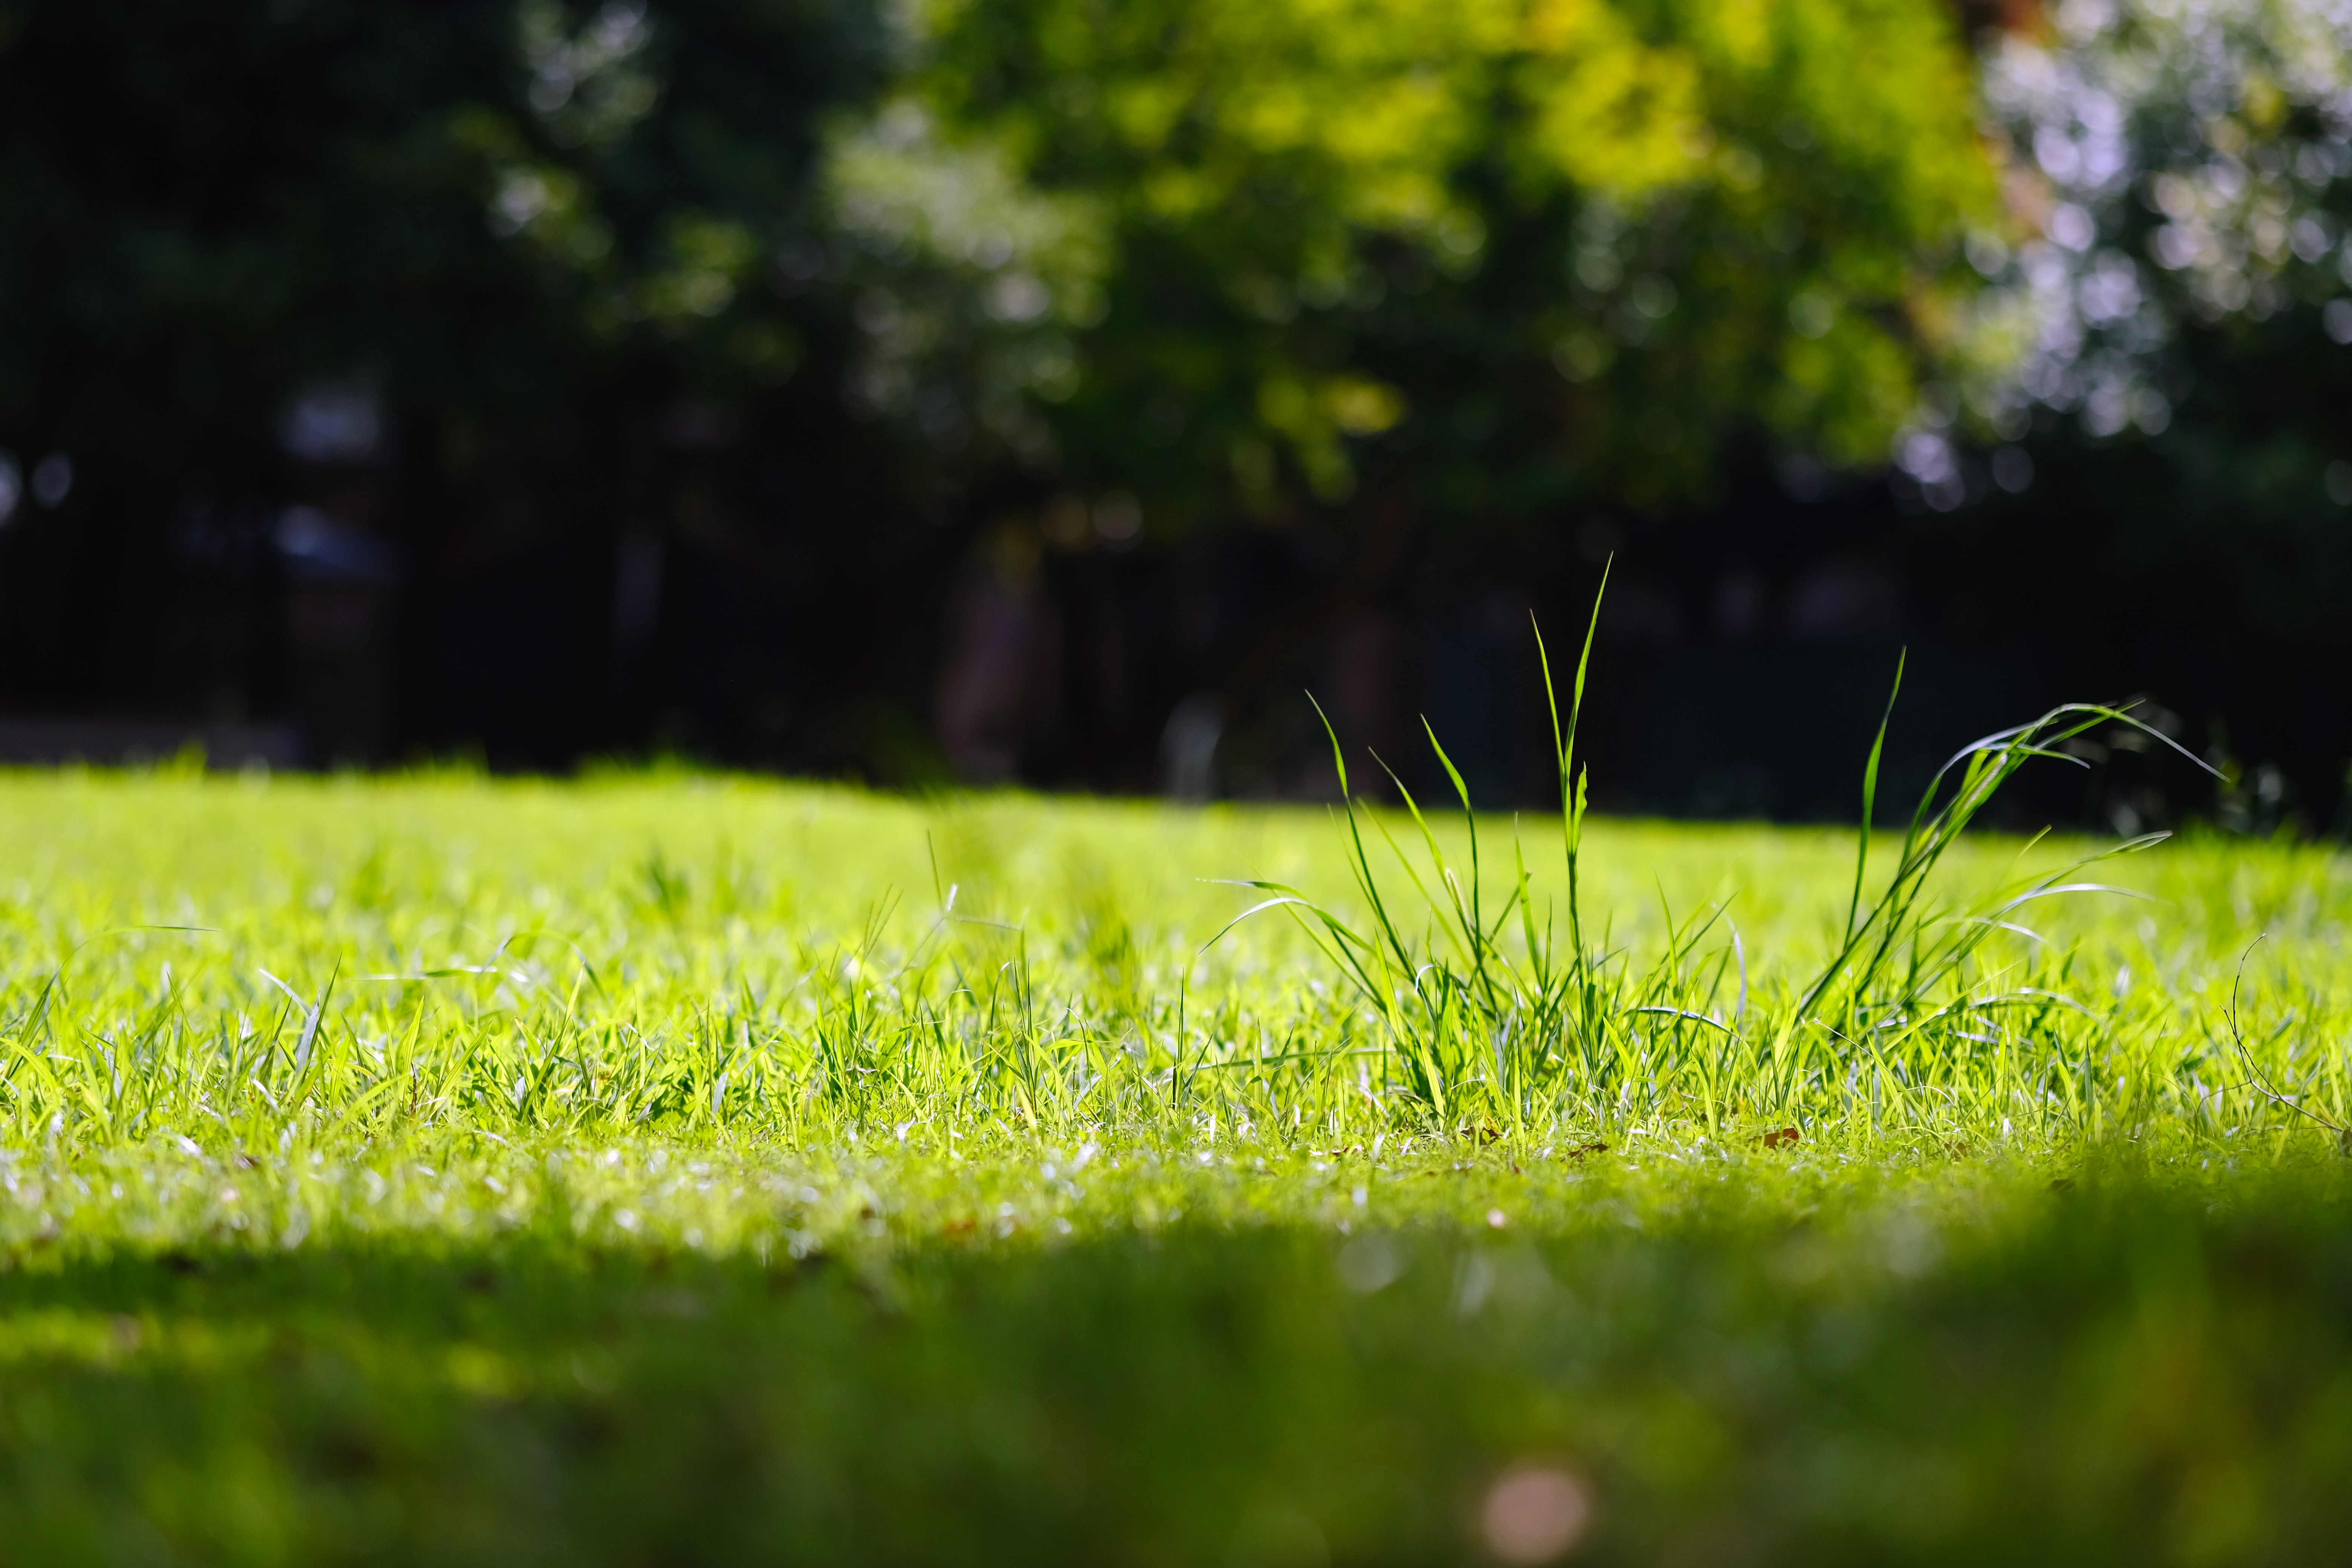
x: 1870, y: 795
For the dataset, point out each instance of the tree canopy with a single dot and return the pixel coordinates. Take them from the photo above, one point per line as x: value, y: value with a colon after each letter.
x: 1525, y: 251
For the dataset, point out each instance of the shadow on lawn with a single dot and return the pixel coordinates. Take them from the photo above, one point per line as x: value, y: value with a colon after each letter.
x: 2100, y: 1374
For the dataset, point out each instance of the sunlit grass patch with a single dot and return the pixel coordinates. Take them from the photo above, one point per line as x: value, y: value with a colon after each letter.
x: 331, y: 968
x: 672, y: 1167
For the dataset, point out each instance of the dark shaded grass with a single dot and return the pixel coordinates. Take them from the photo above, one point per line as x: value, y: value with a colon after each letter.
x: 2120, y: 1371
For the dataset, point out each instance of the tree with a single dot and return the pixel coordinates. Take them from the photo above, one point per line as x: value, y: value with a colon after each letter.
x: 1508, y: 254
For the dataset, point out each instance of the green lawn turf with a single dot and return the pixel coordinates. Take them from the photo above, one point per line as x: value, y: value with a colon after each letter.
x: 648, y: 1170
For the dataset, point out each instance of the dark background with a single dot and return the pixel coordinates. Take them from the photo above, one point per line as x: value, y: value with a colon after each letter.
x: 505, y: 538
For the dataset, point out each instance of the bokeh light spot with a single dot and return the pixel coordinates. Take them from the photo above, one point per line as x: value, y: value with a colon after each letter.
x: 1535, y: 1513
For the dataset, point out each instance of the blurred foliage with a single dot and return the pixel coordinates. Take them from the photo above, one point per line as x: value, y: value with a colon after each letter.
x: 1511, y: 254
x: 529, y: 230
x: 2168, y: 165
x: 914, y: 280
x: 2175, y: 179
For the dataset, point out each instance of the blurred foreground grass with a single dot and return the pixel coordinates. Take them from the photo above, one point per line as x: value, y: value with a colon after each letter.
x: 677, y: 1170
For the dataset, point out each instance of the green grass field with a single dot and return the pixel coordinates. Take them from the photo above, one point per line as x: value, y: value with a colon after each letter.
x: 660, y: 1169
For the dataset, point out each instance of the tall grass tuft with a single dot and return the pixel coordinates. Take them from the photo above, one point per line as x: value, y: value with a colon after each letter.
x: 1491, y: 1021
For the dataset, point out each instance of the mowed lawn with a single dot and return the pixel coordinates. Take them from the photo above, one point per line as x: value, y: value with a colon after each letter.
x: 667, y: 1170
